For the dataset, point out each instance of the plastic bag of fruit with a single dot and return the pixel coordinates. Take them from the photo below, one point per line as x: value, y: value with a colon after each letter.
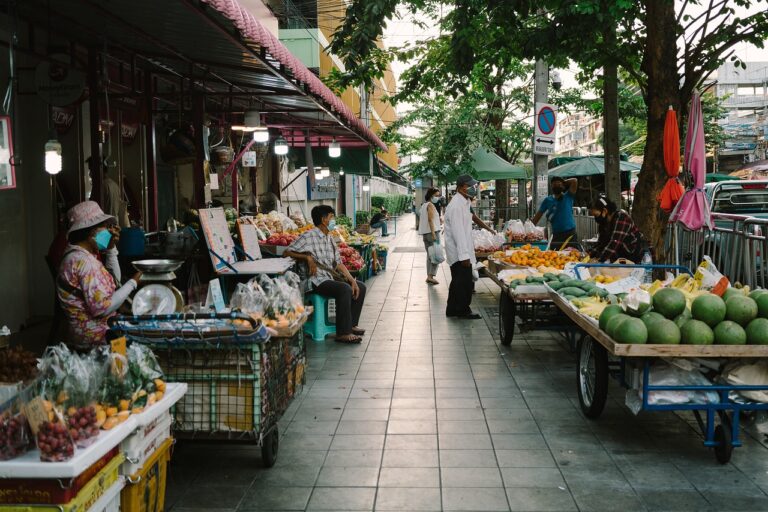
x: 81, y: 385
x: 533, y: 233
x: 114, y: 397
x: 145, y: 372
x: 15, y: 435
x: 249, y: 298
x: 515, y: 231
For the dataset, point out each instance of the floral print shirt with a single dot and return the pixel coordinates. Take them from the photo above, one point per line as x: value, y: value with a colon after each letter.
x: 85, y: 288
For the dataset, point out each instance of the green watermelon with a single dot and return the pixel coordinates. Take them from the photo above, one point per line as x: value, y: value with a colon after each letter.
x: 608, y: 313
x: 740, y: 309
x: 757, y: 332
x: 696, y: 332
x: 728, y: 332
x: 664, y: 332
x: 733, y: 292
x: 682, y: 318
x: 631, y: 331
x: 670, y: 302
x: 650, y: 317
x: 614, y: 324
x: 754, y: 294
x: 762, y: 305
x: 708, y: 308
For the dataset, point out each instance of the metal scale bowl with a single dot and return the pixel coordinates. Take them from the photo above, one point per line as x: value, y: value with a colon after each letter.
x: 156, y: 294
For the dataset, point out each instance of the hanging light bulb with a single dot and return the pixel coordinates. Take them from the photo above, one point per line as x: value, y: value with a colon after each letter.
x: 261, y: 134
x: 341, y: 172
x: 326, y: 172
x: 366, y: 187
x: 53, y: 156
x: 281, y: 146
x: 334, y: 149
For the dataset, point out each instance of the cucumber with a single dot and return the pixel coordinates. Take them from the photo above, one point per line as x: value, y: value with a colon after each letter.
x: 569, y: 298
x: 587, y: 286
x: 549, y: 276
x: 564, y: 277
x: 534, y: 279
x: 555, y: 285
x: 576, y: 283
x: 573, y: 291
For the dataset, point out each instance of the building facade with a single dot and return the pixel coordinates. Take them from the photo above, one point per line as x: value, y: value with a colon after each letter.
x: 578, y: 134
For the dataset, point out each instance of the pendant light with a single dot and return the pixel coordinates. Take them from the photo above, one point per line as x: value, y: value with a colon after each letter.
x: 53, y: 156
x: 334, y: 149
x: 281, y: 146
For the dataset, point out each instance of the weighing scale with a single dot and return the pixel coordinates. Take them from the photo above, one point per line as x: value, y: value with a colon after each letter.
x: 156, y: 294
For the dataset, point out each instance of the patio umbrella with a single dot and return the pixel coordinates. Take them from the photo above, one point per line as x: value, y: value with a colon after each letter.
x: 587, y: 166
x: 673, y: 190
x: 693, y: 209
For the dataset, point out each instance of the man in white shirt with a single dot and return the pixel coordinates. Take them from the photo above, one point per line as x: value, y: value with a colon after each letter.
x: 459, y: 249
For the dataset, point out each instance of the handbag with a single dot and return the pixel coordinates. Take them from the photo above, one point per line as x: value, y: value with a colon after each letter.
x: 436, y: 253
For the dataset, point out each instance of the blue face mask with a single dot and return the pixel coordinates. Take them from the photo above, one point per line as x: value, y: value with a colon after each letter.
x: 102, y: 239
x: 435, y: 200
x: 472, y: 191
x: 332, y: 225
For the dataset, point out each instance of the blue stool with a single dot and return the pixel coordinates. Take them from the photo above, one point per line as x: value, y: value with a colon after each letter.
x: 318, y: 326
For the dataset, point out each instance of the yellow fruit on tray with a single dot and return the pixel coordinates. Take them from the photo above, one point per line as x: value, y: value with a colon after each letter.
x: 124, y: 405
x: 111, y: 411
x: 101, y: 417
x: 122, y: 416
x: 160, y: 385
x: 159, y: 395
x: 110, y: 423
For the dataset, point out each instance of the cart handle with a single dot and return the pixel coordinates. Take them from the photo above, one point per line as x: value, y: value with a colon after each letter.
x: 679, y: 268
x: 234, y: 315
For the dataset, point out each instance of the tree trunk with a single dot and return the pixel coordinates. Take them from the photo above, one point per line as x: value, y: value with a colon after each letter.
x: 611, y: 132
x: 502, y: 202
x: 660, y: 66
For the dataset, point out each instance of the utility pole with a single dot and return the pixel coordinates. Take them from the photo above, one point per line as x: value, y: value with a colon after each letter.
x: 540, y: 94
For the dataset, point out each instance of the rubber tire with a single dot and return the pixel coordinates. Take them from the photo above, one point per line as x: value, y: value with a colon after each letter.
x: 594, y: 409
x: 506, y: 319
x: 724, y: 447
x: 269, y: 448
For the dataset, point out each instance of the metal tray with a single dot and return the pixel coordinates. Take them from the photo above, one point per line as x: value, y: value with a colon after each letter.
x: 156, y: 266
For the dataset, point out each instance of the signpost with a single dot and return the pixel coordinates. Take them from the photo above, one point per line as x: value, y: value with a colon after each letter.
x: 545, y: 129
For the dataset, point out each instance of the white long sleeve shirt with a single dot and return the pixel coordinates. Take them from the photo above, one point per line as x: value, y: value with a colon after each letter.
x: 458, y: 231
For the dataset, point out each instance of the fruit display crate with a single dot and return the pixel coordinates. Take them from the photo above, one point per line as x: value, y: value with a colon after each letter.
x: 601, y: 357
x: 238, y: 386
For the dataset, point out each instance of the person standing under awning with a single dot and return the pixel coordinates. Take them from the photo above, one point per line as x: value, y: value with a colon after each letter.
x: 460, y: 249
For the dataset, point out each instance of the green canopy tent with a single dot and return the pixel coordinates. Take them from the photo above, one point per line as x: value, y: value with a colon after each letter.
x: 714, y: 178
x: 490, y: 166
x: 588, y: 166
x: 560, y: 160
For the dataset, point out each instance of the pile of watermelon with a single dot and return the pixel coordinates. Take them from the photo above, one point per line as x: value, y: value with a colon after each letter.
x: 733, y: 319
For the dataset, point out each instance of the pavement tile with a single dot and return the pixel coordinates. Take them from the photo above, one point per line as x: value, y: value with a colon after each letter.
x: 404, y: 498
x: 533, y: 477
x: 342, y: 498
x: 525, y: 459
x: 288, y: 498
x: 409, y: 477
x: 361, y: 427
x: 470, y: 477
x: 348, y: 477
x: 411, y: 442
x: 411, y: 426
x: 353, y: 458
x: 468, y: 459
x: 410, y: 458
x: 538, y: 499
x: 474, y: 499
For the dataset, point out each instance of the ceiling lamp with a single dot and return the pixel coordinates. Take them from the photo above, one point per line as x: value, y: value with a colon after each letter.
x: 334, y: 149
x: 53, y: 156
x: 261, y: 134
x: 341, y: 172
x: 281, y: 146
x: 326, y: 172
x: 251, y: 122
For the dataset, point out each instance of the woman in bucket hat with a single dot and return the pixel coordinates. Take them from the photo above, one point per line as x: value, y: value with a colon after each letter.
x: 89, y: 290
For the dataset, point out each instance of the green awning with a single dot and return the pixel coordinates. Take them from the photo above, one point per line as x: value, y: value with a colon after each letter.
x: 490, y: 166
x: 588, y: 166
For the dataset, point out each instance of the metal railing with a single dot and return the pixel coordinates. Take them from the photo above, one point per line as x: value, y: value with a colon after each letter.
x: 586, y: 227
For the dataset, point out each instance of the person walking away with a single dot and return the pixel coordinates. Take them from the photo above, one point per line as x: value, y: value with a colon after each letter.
x: 619, y: 236
x: 558, y: 208
x: 429, y: 229
x: 328, y: 275
x: 460, y: 250
x: 379, y: 220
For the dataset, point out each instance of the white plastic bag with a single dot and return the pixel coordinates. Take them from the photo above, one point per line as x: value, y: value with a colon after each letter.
x: 515, y: 231
x: 665, y: 375
x: 532, y: 232
x: 436, y: 253
x: 749, y: 374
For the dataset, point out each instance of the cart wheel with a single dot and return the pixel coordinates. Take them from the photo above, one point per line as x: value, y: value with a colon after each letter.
x: 592, y: 377
x: 724, y: 446
x: 269, y: 448
x: 506, y: 319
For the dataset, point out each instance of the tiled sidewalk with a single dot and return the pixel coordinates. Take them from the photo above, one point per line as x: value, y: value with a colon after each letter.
x: 433, y: 414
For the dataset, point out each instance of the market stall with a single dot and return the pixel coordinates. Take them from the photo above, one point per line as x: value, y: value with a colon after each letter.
x: 685, y: 344
x: 521, y: 274
x: 242, y: 366
x: 87, y: 432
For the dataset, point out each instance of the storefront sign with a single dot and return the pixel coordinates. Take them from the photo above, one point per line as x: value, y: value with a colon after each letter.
x: 249, y: 159
x: 63, y: 118
x: 129, y: 131
x: 58, y: 84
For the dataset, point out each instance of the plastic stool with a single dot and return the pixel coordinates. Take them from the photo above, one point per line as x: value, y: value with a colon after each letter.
x: 318, y: 326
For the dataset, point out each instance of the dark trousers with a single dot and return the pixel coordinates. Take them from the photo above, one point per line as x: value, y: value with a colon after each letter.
x: 460, y: 291
x: 347, y: 309
x: 381, y: 224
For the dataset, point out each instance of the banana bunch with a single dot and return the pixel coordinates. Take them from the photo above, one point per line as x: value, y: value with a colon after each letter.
x: 590, y: 306
x: 685, y: 283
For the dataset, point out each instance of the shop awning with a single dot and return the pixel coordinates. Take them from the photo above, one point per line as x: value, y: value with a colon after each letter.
x: 490, y: 166
x: 218, y: 46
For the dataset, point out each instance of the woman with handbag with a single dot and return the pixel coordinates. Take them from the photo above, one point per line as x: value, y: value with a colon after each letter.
x: 429, y: 229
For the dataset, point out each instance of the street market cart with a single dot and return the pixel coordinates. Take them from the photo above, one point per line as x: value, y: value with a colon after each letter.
x: 240, y: 378
x: 600, y: 356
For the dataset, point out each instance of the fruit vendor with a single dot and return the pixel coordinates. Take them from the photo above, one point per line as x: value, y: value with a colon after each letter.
x: 89, y: 291
x: 618, y: 236
x: 328, y: 275
x: 558, y: 208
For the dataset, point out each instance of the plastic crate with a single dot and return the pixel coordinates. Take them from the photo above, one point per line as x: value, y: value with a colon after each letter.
x: 145, y: 490
x: 138, y: 453
x: 88, y: 496
x: 50, y: 490
x: 136, y: 440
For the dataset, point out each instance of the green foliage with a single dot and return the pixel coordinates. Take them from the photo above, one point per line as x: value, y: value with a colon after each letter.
x: 395, y: 204
x: 362, y: 217
x: 343, y: 220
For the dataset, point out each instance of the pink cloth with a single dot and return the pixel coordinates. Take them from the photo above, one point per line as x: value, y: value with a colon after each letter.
x: 693, y: 209
x: 85, y: 288
x: 252, y: 30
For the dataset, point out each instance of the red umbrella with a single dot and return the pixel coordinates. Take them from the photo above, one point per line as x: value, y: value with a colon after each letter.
x: 673, y: 190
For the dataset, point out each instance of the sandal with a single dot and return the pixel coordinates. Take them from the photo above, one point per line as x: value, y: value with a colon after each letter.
x: 349, y: 339
x: 432, y: 280
x: 358, y: 331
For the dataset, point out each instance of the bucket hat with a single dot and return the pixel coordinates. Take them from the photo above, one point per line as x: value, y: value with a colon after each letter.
x: 86, y: 215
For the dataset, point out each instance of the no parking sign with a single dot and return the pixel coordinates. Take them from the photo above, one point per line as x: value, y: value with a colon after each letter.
x: 544, y: 129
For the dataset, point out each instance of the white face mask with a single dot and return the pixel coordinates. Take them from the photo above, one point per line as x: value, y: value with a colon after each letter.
x: 435, y: 200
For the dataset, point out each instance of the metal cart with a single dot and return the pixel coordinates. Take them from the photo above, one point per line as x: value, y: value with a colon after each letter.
x: 599, y: 357
x: 240, y: 380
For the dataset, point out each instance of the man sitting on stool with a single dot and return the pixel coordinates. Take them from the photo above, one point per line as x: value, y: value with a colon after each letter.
x: 318, y: 250
x: 379, y: 220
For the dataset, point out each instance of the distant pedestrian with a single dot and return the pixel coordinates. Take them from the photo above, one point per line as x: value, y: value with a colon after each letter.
x: 460, y: 250
x: 379, y: 220
x: 429, y: 229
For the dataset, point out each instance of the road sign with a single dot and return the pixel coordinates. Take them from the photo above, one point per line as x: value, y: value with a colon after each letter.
x: 544, y: 129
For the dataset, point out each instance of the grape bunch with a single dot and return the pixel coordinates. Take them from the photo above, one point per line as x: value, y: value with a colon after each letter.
x: 13, y: 436
x: 54, y: 442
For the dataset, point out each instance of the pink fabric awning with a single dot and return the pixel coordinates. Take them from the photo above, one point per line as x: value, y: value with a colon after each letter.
x: 253, y: 32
